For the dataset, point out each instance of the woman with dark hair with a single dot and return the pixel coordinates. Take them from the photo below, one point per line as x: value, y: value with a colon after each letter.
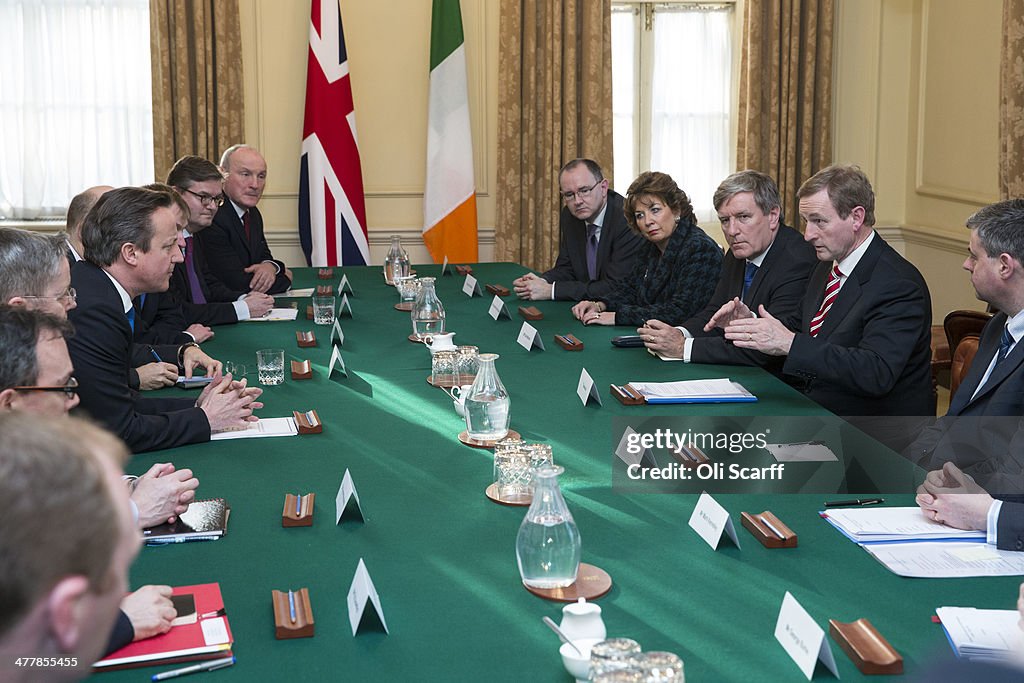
x: 676, y: 271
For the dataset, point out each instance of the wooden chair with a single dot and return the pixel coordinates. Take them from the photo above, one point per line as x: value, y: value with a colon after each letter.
x: 963, y: 332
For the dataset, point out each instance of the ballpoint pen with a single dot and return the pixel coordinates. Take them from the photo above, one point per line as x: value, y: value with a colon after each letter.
x: 855, y: 501
x: 211, y: 665
x: 291, y: 605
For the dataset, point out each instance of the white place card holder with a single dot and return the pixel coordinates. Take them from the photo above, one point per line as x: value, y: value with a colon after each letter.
x: 471, y: 287
x: 337, y: 334
x: 345, y: 306
x: 345, y: 285
x: 802, y: 638
x: 336, y: 362
x: 529, y: 339
x: 586, y: 390
x: 444, y: 266
x: 361, y: 591
x: 347, y: 492
x: 499, y: 309
x: 710, y: 520
x: 623, y: 454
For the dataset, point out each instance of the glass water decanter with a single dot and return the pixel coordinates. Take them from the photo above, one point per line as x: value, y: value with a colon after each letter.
x: 548, y: 546
x: 487, y: 403
x: 427, y: 311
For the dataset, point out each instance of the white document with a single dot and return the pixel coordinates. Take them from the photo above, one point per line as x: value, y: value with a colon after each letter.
x: 805, y: 451
x: 983, y: 633
x: 215, y: 632
x: 623, y: 454
x: 499, y: 309
x: 586, y: 390
x: 694, y: 388
x: 295, y: 293
x: 471, y: 287
x: 345, y: 306
x: 710, y: 520
x: 337, y: 334
x: 336, y: 361
x: 802, y: 638
x: 528, y: 338
x: 946, y: 560
x: 267, y: 426
x: 362, y: 589
x: 344, y: 285
x: 276, y: 314
x: 346, y: 492
x: 871, y: 525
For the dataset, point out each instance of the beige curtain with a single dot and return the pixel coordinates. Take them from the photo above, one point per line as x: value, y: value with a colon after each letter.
x: 554, y: 104
x: 1011, y: 101
x: 785, y: 96
x: 197, y: 79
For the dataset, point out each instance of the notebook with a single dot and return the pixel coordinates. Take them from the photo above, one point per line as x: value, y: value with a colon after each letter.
x: 205, y: 520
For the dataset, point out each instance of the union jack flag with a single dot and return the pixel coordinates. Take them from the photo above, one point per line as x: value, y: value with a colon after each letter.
x: 332, y: 209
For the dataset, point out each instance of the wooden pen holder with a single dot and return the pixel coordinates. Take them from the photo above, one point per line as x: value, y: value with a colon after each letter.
x: 531, y: 313
x: 690, y: 456
x: 498, y: 290
x: 324, y: 290
x: 760, y: 527
x: 304, y: 517
x: 569, y: 342
x: 305, y: 339
x: 284, y: 627
x: 866, y: 647
x: 627, y: 395
x: 301, y: 369
x: 309, y: 312
x: 325, y: 273
x: 464, y: 270
x: 308, y: 422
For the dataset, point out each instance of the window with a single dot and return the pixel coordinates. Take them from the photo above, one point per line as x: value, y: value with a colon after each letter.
x: 75, y: 101
x: 672, y: 95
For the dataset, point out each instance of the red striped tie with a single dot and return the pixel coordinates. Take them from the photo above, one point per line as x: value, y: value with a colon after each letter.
x: 831, y: 291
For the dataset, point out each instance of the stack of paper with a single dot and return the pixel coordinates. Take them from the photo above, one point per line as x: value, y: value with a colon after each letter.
x: 205, y: 520
x: 894, y: 524
x: 276, y: 314
x: 983, y: 633
x: 694, y: 391
x: 295, y: 293
x: 267, y: 426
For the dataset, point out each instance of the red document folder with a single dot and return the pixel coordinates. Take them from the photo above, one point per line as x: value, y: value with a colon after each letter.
x: 208, y: 637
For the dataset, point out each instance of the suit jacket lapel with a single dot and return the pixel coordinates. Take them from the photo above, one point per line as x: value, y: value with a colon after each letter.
x: 240, y: 231
x: 849, y: 294
x: 986, y: 352
x: 815, y: 293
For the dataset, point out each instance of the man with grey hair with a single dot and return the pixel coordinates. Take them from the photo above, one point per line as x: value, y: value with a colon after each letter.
x: 235, y: 246
x: 767, y: 264
x: 34, y: 271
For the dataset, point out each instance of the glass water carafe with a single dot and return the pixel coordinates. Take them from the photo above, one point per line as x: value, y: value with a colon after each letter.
x: 396, y: 263
x: 427, y: 311
x: 548, y: 546
x: 487, y: 403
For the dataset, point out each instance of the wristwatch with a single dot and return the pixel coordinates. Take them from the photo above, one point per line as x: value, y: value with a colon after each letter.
x: 181, y: 354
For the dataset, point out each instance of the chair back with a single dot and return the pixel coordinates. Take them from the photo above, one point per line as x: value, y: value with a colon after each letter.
x: 962, y: 359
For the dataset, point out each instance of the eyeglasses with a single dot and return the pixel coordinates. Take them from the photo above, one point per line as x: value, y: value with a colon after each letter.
x: 582, y: 193
x: 69, y: 389
x: 68, y: 294
x: 208, y: 199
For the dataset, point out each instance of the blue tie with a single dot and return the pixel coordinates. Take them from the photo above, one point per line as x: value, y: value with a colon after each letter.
x: 131, y: 318
x: 748, y: 277
x: 1005, y: 342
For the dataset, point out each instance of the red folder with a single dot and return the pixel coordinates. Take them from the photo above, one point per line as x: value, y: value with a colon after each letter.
x: 209, y: 637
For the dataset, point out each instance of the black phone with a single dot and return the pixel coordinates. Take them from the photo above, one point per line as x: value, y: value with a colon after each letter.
x: 628, y: 341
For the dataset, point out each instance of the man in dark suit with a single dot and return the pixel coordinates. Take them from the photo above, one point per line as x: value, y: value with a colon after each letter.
x: 596, y: 249
x: 204, y: 298
x: 235, y: 247
x: 860, y: 343
x: 131, y: 243
x: 78, y: 209
x: 767, y: 264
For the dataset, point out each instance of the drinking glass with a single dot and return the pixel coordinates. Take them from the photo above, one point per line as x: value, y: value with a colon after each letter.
x: 323, y: 310
x: 270, y: 364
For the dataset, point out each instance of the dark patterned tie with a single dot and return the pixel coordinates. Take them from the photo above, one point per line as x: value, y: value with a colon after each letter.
x: 748, y: 277
x: 193, y: 280
x: 592, y: 251
x: 245, y: 225
x: 1005, y: 342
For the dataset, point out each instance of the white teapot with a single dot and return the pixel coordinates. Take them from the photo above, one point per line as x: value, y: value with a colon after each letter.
x: 582, y: 619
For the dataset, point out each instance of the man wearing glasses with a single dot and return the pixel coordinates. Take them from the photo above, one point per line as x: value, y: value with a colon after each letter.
x: 36, y: 379
x: 596, y: 248
x: 204, y: 298
x: 235, y: 247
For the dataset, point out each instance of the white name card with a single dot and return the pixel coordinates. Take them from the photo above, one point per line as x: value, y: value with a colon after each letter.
x: 802, y: 638
x: 529, y: 339
x: 471, y: 287
x: 710, y: 520
x: 345, y: 285
x: 622, y: 451
x: 347, y: 492
x: 337, y: 334
x: 444, y: 266
x: 586, y: 390
x: 499, y: 309
x: 345, y: 306
x: 336, y: 362
x: 361, y: 591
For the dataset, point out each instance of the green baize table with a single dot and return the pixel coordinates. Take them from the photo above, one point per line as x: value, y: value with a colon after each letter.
x: 442, y: 556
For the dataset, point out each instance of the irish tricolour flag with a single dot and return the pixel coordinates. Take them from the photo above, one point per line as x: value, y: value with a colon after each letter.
x: 449, y: 200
